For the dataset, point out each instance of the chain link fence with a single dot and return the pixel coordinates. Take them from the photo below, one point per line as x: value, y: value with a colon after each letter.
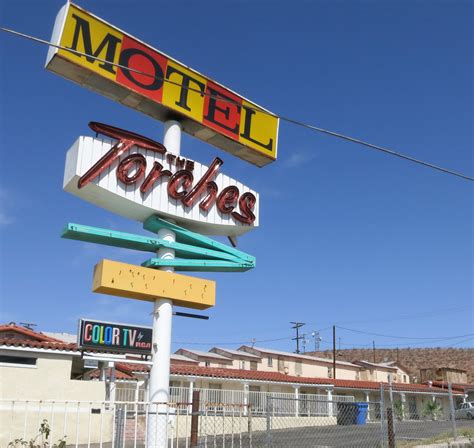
x: 394, y: 419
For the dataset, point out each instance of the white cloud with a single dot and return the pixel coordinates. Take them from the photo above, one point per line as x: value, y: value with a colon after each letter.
x: 298, y: 159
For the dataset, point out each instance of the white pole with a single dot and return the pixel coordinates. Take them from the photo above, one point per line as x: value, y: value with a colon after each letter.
x: 297, y: 401
x: 330, y: 404
x: 158, y: 392
x: 190, y: 395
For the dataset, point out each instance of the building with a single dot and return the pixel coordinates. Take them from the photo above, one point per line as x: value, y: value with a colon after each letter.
x: 240, y: 359
x: 447, y: 374
x: 385, y: 372
x: 206, y: 359
x: 38, y: 369
x: 36, y: 366
x: 301, y: 365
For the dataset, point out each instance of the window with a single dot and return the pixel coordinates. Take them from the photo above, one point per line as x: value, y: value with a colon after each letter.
x: 329, y: 372
x: 270, y: 361
x: 404, y: 378
x: 298, y: 368
x: 242, y: 365
x: 18, y: 361
x: 253, y: 365
x: 207, y: 363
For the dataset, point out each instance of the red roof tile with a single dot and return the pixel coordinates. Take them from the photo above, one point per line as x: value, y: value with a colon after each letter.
x: 256, y: 375
x: 50, y: 345
x: 456, y: 387
x: 119, y: 374
x: 134, y: 367
x: 26, y: 332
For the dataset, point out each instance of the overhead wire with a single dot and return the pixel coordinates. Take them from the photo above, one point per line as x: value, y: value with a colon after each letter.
x: 438, y: 312
x: 281, y: 117
x: 415, y: 340
x: 249, y: 341
x: 402, y: 337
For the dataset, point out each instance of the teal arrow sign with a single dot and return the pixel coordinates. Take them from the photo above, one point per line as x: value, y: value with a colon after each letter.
x: 195, y: 252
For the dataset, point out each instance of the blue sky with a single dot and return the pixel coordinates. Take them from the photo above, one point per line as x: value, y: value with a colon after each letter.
x: 348, y: 236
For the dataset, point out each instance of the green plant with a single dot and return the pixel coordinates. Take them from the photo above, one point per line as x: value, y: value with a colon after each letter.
x: 398, y: 409
x: 43, y: 434
x: 432, y: 409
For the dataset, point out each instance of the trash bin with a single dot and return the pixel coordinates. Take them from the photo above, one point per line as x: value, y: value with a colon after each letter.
x: 361, y: 414
x: 346, y: 413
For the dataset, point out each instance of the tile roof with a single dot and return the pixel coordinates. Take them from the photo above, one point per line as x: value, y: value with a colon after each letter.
x: 296, y: 355
x: 65, y: 337
x: 119, y: 374
x: 237, y: 353
x: 22, y: 331
x: 255, y: 375
x: 458, y: 387
x: 181, y: 358
x: 29, y: 343
x: 376, y: 365
x: 202, y: 354
x: 141, y: 368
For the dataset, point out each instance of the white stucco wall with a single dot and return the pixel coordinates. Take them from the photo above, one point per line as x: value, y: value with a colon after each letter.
x: 50, y: 379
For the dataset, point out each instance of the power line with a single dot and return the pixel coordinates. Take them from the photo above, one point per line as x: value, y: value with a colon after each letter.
x: 408, y: 344
x: 367, y: 346
x: 414, y: 344
x: 461, y: 342
x: 251, y: 341
x: 281, y: 117
x: 287, y: 338
x: 402, y: 337
x: 439, y: 312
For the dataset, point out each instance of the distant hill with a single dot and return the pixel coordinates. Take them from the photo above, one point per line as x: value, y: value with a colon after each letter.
x: 413, y: 359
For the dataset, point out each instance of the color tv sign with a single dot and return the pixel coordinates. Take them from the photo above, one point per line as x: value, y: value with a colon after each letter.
x: 112, y: 337
x: 206, y: 109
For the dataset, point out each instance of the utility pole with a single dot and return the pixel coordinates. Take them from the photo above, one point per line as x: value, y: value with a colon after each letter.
x: 334, y: 351
x: 373, y: 345
x: 296, y: 326
x: 317, y: 340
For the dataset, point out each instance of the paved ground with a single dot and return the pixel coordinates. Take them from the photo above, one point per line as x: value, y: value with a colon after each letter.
x: 364, y: 436
x: 369, y: 435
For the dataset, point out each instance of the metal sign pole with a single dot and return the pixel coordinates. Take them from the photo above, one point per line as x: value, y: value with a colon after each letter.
x: 158, y: 389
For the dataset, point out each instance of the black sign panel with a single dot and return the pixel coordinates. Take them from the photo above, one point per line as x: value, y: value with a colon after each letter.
x: 112, y: 337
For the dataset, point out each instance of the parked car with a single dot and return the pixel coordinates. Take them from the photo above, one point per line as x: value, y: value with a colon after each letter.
x: 466, y: 410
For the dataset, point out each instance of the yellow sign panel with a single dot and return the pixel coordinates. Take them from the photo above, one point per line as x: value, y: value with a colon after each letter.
x: 188, y: 101
x: 86, y: 34
x: 135, y: 282
x: 153, y: 83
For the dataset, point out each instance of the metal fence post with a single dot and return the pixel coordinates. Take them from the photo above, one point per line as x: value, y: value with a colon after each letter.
x: 390, y: 432
x: 119, y: 426
x: 451, y: 408
x: 195, y: 419
x: 269, y: 411
x: 382, y: 417
x: 249, y: 423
